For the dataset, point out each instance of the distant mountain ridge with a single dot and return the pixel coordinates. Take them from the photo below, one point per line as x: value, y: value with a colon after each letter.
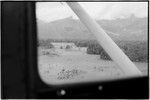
x: 130, y: 29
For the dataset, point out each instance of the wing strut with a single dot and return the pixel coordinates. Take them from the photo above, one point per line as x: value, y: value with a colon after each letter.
x: 117, y: 55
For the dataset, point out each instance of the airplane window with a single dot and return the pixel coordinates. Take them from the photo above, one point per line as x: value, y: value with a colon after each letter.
x: 68, y: 52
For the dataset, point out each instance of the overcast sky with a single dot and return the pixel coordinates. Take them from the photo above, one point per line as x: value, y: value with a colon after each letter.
x: 50, y: 11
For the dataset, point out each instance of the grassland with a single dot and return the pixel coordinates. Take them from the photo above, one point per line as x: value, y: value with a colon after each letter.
x: 70, y: 66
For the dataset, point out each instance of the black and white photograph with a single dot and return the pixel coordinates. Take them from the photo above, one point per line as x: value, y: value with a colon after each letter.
x: 75, y: 50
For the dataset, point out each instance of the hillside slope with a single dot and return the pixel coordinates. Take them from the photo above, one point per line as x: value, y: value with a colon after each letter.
x: 130, y: 29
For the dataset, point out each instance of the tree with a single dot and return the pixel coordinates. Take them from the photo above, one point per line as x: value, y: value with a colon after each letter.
x: 68, y: 47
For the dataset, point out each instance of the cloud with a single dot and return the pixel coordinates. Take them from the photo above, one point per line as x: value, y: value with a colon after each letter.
x: 50, y: 11
x: 125, y: 9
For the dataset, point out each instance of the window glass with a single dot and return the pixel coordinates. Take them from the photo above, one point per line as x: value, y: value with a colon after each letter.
x: 68, y: 52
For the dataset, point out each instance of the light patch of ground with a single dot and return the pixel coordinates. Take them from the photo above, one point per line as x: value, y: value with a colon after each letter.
x: 69, y: 66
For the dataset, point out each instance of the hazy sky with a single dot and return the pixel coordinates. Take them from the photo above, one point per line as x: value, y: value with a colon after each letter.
x: 50, y: 11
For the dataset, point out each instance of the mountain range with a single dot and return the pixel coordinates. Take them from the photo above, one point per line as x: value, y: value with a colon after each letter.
x: 129, y: 29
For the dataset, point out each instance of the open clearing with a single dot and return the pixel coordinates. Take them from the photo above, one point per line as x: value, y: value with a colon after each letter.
x: 69, y: 66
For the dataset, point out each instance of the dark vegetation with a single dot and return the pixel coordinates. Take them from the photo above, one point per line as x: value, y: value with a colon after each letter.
x: 45, y: 44
x: 69, y: 74
x: 68, y: 47
x: 137, y: 51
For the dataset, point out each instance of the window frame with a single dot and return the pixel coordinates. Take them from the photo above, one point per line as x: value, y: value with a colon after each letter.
x: 38, y: 86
